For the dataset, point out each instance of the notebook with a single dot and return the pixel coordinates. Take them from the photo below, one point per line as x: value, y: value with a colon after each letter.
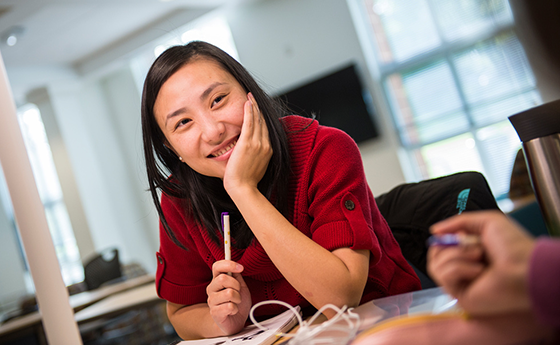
x: 252, y: 335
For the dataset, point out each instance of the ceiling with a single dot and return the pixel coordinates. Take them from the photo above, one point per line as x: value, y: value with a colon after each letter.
x: 72, y: 32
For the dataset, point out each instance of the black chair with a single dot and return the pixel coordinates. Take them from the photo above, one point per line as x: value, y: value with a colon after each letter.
x: 411, y: 208
x: 101, y: 268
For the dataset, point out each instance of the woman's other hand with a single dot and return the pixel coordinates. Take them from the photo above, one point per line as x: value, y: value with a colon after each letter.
x: 229, y: 298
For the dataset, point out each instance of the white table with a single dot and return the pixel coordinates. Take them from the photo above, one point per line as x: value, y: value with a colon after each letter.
x: 78, y: 301
x: 117, y: 303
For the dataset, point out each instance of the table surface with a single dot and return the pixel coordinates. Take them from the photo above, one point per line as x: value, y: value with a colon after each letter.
x: 86, y: 298
x: 117, y: 303
x: 82, y: 300
x: 431, y: 301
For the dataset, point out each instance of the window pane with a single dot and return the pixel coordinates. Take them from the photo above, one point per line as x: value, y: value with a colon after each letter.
x: 450, y: 156
x: 50, y: 191
x: 426, y: 103
x: 499, y: 144
x: 487, y: 113
x: 459, y: 19
x: 494, y: 69
x: 39, y: 153
x: 403, y: 28
x: 64, y: 243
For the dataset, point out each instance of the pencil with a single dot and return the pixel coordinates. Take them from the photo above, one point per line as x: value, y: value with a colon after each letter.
x: 227, y: 241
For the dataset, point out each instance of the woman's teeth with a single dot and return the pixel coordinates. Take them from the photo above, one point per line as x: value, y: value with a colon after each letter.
x: 229, y: 147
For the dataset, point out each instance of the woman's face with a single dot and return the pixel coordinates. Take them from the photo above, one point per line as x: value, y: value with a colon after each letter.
x: 199, y: 109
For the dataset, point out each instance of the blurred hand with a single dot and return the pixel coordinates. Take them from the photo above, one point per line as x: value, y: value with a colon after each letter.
x: 229, y: 298
x: 488, y: 278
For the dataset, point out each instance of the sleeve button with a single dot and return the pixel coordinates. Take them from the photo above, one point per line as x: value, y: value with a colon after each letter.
x: 349, y: 204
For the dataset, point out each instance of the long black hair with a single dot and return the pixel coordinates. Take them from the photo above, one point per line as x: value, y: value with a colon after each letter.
x: 205, y: 197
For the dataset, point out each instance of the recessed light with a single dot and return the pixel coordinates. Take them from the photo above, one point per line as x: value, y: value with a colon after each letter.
x: 12, y: 35
x: 11, y: 40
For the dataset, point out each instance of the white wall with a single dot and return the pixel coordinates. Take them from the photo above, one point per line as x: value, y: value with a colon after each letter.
x: 286, y: 42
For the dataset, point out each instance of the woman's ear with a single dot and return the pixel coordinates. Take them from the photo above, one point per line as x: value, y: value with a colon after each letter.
x: 169, y: 147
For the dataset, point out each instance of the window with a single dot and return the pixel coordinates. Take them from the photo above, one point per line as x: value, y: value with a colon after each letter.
x: 48, y: 185
x: 452, y: 72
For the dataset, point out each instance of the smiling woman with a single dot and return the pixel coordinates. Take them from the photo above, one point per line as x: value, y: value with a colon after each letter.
x: 301, y: 232
x: 203, y: 128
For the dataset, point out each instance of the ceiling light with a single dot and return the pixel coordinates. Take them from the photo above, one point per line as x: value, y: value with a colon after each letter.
x: 11, y: 40
x: 12, y: 35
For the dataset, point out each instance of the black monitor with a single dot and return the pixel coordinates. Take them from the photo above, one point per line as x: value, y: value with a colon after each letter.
x: 337, y: 100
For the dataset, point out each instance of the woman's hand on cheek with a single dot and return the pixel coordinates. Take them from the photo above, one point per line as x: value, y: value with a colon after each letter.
x: 229, y: 298
x: 249, y: 160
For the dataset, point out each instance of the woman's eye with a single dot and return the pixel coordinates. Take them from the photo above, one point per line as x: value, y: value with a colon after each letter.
x: 217, y: 100
x: 183, y: 122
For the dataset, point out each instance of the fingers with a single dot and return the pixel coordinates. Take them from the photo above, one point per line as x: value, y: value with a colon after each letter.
x: 454, y: 268
x: 224, y: 290
x: 470, y: 222
x: 256, y: 125
x: 225, y: 266
x: 439, y: 257
x: 248, y: 119
x: 252, y: 115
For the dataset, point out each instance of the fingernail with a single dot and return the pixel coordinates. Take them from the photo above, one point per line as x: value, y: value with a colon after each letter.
x: 238, y: 267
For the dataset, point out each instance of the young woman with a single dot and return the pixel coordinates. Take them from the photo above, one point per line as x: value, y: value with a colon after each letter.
x: 304, y: 225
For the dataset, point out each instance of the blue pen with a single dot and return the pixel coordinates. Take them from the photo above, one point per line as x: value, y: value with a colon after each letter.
x: 452, y: 240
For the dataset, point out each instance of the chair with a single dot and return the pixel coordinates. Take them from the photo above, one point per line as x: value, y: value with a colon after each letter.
x: 411, y: 208
x: 101, y: 268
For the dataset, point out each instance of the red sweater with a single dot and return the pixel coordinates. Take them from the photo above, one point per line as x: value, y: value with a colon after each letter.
x: 330, y: 201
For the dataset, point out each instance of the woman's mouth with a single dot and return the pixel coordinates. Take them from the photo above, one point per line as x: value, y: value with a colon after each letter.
x: 224, y: 150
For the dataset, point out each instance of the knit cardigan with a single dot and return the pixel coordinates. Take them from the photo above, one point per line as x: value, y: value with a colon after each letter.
x: 329, y: 201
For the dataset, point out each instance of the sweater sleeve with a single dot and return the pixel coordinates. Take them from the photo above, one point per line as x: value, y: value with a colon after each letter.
x: 340, y: 201
x: 344, y: 214
x: 544, y: 281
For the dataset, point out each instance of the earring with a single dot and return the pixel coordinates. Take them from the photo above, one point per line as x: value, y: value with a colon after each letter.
x: 180, y: 158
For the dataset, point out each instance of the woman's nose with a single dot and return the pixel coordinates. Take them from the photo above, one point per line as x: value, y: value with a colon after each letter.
x: 213, y: 131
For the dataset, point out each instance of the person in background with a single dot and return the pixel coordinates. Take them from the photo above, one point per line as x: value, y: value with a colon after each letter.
x: 509, y: 271
x: 305, y: 228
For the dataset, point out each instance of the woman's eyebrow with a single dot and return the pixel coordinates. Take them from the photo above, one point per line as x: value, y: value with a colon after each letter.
x: 173, y: 114
x: 212, y: 86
